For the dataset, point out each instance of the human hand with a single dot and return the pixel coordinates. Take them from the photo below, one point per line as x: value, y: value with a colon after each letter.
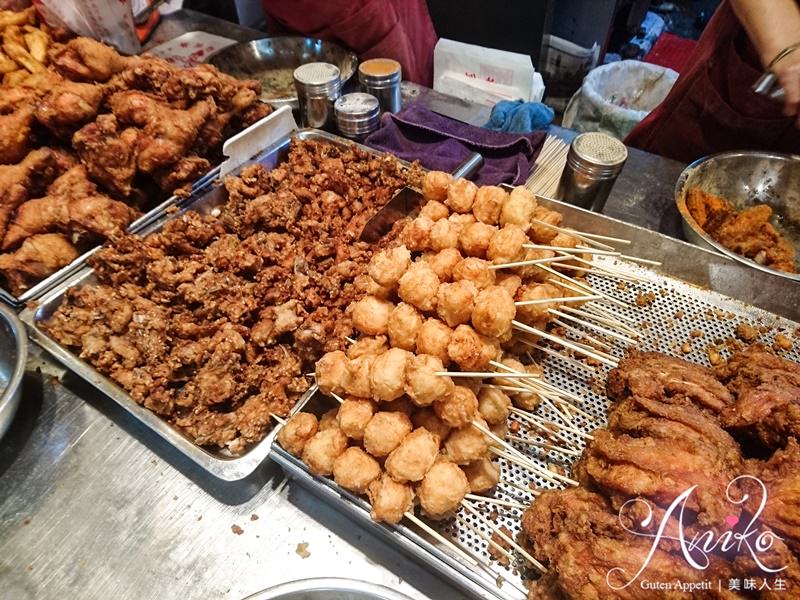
x: 787, y: 70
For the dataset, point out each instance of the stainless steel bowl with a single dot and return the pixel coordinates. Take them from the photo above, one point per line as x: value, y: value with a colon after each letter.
x: 13, y: 355
x: 273, y: 60
x: 328, y: 588
x: 745, y: 179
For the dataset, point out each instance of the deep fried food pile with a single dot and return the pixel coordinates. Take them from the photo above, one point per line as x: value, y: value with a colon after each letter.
x: 665, y: 434
x: 435, y: 300
x: 213, y: 321
x: 128, y: 130
x: 747, y: 232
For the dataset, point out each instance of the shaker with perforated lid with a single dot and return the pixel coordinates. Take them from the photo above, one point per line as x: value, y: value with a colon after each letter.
x: 593, y: 163
x: 318, y: 86
x: 357, y: 115
x: 381, y: 77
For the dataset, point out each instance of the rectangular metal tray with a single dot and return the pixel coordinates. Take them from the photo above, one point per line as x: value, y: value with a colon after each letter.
x: 219, y: 464
x: 689, y: 290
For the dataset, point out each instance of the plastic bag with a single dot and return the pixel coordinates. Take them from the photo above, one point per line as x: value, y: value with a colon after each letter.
x: 110, y: 21
x: 615, y: 97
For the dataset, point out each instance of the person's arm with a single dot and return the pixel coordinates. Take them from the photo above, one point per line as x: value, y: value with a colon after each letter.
x: 772, y: 26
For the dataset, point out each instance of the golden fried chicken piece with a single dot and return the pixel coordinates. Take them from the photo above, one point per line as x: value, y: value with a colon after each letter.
x: 178, y: 177
x: 16, y: 133
x: 108, y: 153
x: 229, y: 93
x: 581, y: 539
x: 18, y: 182
x: 37, y: 258
x: 146, y: 73
x: 767, y: 392
x: 85, y: 59
x: 13, y: 98
x: 167, y: 133
x: 68, y: 106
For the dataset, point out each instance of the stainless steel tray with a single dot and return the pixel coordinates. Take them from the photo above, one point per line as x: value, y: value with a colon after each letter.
x: 205, y: 200
x: 689, y: 296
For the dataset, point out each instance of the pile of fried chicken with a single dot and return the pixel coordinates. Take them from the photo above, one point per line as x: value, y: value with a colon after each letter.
x: 747, y: 232
x: 98, y: 137
x: 675, y: 425
x: 213, y: 321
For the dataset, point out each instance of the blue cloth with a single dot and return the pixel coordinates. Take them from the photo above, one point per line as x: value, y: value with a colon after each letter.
x: 516, y: 116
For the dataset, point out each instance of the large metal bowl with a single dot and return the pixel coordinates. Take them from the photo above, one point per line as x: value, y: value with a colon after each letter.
x: 273, y: 60
x: 13, y: 355
x: 328, y: 588
x: 745, y: 179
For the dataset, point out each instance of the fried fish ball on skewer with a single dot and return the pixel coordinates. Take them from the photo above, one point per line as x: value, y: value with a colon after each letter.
x: 417, y: 234
x: 511, y: 281
x: 528, y: 313
x: 475, y: 270
x: 388, y: 375
x: 367, y: 286
x: 390, y: 500
x: 494, y: 311
x: 467, y: 444
x: 354, y: 415
x: 507, y: 245
x: 387, y: 266
x: 482, y: 475
x: 355, y: 470
x: 423, y: 385
x: 494, y: 405
x: 457, y: 409
x: 328, y: 419
x: 426, y: 417
x: 367, y: 346
x: 462, y: 220
x: 542, y: 234
x: 444, y: 234
x: 435, y: 185
x: 470, y: 350
x: 414, y: 456
x: 455, y: 302
x: 371, y: 315
x: 385, y: 431
x: 461, y: 195
x: 323, y: 449
x: 475, y: 239
x: 443, y: 262
x: 403, y: 326
x: 359, y: 380
x: 434, y: 338
x: 442, y: 490
x: 298, y: 429
x: 332, y: 372
x: 488, y: 203
x: 419, y: 286
x: 518, y: 209
x: 434, y: 210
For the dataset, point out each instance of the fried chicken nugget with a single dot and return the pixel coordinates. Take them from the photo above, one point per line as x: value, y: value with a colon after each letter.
x: 494, y: 311
x: 434, y: 338
x: 294, y: 435
x: 371, y: 315
x: 423, y: 385
x: 390, y: 500
x: 414, y: 456
x: 518, y: 209
x: 385, y: 431
x: 403, y: 325
x: 482, y: 475
x: 388, y: 266
x: 475, y: 239
x: 435, y: 185
x: 461, y: 195
x: 442, y: 490
x: 388, y: 375
x: 467, y: 444
x: 418, y: 286
x: 322, y: 450
x: 332, y: 372
x: 475, y: 270
x: 355, y: 470
x: 455, y: 302
x: 443, y: 262
x: 426, y: 417
x: 488, y: 203
x: 354, y: 415
x: 434, y: 210
x: 459, y: 408
x: 506, y: 245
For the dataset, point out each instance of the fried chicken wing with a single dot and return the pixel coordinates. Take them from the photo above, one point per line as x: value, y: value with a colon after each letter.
x: 38, y: 257
x: 179, y: 176
x: 85, y: 59
x: 167, y: 133
x: 767, y: 392
x: 69, y: 106
x: 108, y: 153
x: 18, y: 182
x: 16, y: 128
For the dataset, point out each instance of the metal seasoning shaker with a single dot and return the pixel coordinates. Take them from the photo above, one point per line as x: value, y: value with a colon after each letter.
x: 593, y: 162
x: 357, y: 115
x: 318, y: 86
x: 381, y: 77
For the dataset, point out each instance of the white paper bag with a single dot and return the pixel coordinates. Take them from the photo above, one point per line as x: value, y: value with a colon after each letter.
x: 110, y: 21
x: 484, y: 75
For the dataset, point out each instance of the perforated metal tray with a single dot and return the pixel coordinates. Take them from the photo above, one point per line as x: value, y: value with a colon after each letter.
x: 684, y: 309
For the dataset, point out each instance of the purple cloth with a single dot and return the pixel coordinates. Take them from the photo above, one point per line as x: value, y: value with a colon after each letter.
x: 441, y: 144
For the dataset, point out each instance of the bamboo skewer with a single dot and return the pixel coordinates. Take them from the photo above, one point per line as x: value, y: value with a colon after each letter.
x: 586, y: 336
x: 488, y: 539
x: 563, y: 342
x: 617, y: 336
x: 441, y: 539
x: 601, y: 319
x: 593, y: 307
x: 577, y: 250
x: 586, y: 288
x: 644, y: 261
x: 525, y: 490
x: 545, y: 430
x: 561, y: 300
x: 545, y: 422
x: 538, y: 381
x: 535, y: 261
x: 543, y: 445
x: 575, y: 234
x: 497, y: 501
x: 567, y: 359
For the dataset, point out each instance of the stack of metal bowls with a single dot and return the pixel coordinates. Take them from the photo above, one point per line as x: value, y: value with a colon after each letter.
x: 13, y: 355
x: 745, y: 179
